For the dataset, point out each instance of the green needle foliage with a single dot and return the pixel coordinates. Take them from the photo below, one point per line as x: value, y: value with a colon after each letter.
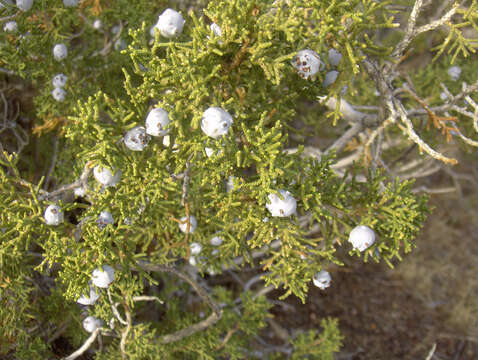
x: 223, y: 182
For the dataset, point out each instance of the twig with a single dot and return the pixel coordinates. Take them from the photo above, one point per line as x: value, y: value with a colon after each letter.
x: 228, y: 336
x: 114, y: 308
x: 81, y: 182
x: 85, y: 346
x: 184, y: 196
x: 432, y: 351
x: 342, y: 141
x: 59, y: 331
x: 434, y: 24
x: 409, y: 32
x: 125, y: 333
x: 148, y: 298
x: 434, y: 191
x: 52, y: 164
x: 253, y: 280
x: 416, y: 139
x: 202, y: 325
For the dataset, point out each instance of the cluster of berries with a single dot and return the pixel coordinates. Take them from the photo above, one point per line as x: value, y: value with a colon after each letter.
x: 101, y: 278
x: 308, y: 63
x: 361, y: 238
x: 215, y: 123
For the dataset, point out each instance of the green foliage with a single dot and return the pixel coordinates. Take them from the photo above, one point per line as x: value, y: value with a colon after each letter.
x: 305, y: 345
x: 247, y: 71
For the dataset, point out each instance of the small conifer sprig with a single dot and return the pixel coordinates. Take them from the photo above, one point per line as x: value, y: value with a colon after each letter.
x: 239, y: 172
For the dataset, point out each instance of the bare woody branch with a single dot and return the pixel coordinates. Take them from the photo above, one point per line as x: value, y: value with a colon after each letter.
x: 202, y: 325
x: 79, y: 183
x: 411, y: 31
x: 85, y: 346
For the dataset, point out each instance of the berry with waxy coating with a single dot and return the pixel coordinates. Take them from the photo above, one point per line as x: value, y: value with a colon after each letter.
x: 170, y: 23
x: 216, y: 122
x: 104, y: 219
x: 330, y: 78
x: 60, y: 52
x: 281, y: 207
x: 136, y: 139
x: 91, y: 323
x: 216, y: 240
x: 454, y: 72
x: 103, y: 278
x: 58, y: 94
x: 89, y: 299
x: 322, y: 279
x: 80, y: 191
x: 195, y: 248
x: 184, y: 225
x: 59, y: 80
x: 24, y: 5
x: 156, y: 122
x: 334, y: 57
x: 53, y: 215
x: 105, y: 177
x: 307, y: 63
x: 70, y: 3
x: 97, y: 24
x: 216, y: 29
x: 120, y: 44
x: 362, y: 237
x: 10, y: 26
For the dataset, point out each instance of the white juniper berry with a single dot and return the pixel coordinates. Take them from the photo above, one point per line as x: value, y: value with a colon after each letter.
x: 70, y: 3
x: 92, y: 323
x: 105, y: 177
x: 24, y: 5
x: 454, y: 72
x: 59, y: 80
x: 156, y: 122
x: 103, y: 278
x: 216, y: 122
x: 10, y: 26
x: 89, y: 299
x: 215, y: 29
x: 120, y: 44
x: 322, y: 279
x: 195, y: 248
x: 97, y: 24
x: 307, y: 63
x: 334, y: 57
x: 104, y: 219
x: 115, y: 29
x: 362, y: 237
x: 330, y: 78
x: 193, y: 261
x: 170, y: 23
x: 230, y: 184
x: 60, y: 52
x: 209, y: 152
x: 136, y: 139
x: 167, y: 142
x: 281, y: 207
x: 53, y: 215
x: 80, y: 191
x: 58, y: 94
x: 183, y: 225
x: 216, y: 240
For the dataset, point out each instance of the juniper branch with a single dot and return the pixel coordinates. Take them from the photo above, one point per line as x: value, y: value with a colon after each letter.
x: 202, y: 325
